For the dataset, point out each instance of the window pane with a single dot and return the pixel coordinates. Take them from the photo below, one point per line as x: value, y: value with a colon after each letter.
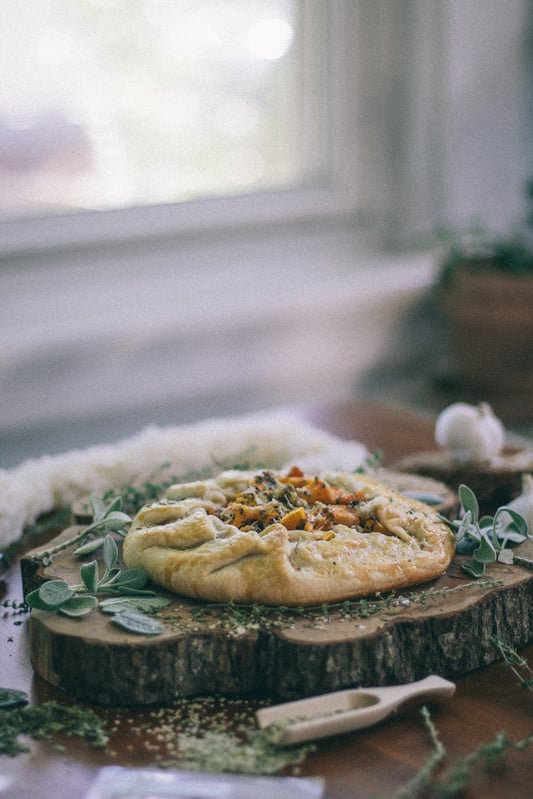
x: 118, y: 103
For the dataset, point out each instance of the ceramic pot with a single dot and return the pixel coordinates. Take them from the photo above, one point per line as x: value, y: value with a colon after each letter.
x: 489, y: 317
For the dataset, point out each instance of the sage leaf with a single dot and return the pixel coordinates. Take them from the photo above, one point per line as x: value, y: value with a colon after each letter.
x: 469, y: 501
x: 135, y: 622
x: 131, y: 578
x: 112, y: 575
x: 33, y: 599
x: 114, y: 505
x: 473, y: 567
x: 145, y: 604
x: 89, y: 547
x: 465, y: 546
x: 54, y: 592
x: 97, y: 507
x: 10, y: 697
x: 78, y: 606
x: 518, y: 524
x: 485, y: 552
x: 116, y: 520
x: 126, y: 590
x: 110, y: 552
x: 465, y: 526
x: 89, y: 575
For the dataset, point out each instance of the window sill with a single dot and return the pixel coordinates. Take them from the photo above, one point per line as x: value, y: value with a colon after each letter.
x: 127, y: 338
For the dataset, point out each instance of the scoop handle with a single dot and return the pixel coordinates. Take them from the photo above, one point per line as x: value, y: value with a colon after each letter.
x: 369, y: 706
x: 432, y: 687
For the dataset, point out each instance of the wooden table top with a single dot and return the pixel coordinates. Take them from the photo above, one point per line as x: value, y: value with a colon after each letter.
x: 360, y: 765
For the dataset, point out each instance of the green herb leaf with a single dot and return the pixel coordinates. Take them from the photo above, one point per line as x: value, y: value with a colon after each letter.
x: 135, y: 622
x: 126, y: 590
x: 54, y: 592
x: 469, y: 502
x: 131, y: 578
x: 116, y: 520
x: 89, y: 547
x: 517, y: 524
x: 111, y: 577
x: 465, y: 526
x: 98, y: 508
x: 89, y: 575
x: 145, y: 604
x: 78, y: 606
x: 473, y: 567
x: 110, y: 552
x: 485, y: 552
x: 114, y: 505
x: 33, y: 600
x: 10, y: 697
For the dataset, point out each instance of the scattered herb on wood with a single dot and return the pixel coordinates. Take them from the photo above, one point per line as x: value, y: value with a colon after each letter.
x: 235, y: 619
x: 224, y: 752
x: 485, y: 538
x: 45, y: 722
x: 211, y: 734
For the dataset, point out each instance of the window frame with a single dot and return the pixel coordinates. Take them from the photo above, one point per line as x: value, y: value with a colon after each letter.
x: 335, y: 194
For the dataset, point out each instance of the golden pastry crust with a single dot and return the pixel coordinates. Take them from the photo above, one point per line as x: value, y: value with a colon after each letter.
x: 287, y: 539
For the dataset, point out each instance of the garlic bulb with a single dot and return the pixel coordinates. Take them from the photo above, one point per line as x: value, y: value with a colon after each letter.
x: 523, y: 504
x: 470, y: 433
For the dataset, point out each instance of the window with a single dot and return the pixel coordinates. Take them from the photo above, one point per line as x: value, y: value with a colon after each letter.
x: 124, y: 119
x: 113, y: 104
x: 127, y: 104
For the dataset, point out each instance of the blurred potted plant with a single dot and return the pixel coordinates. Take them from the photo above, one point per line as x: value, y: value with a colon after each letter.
x: 485, y: 293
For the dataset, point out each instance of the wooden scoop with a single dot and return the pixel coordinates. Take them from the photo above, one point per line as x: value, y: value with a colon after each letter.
x: 344, y: 711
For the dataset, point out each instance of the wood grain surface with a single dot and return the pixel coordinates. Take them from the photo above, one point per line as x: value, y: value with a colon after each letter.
x: 443, y: 627
x: 361, y: 765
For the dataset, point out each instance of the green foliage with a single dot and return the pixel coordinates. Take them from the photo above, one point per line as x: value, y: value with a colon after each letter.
x: 56, y: 596
x: 107, y: 518
x: 44, y: 722
x: 485, y: 538
x: 475, y: 248
x: 11, y: 697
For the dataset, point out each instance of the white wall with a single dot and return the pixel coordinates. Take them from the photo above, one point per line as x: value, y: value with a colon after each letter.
x: 100, y: 351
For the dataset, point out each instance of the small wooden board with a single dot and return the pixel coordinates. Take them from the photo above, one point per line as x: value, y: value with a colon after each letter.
x: 494, y: 484
x: 443, y: 627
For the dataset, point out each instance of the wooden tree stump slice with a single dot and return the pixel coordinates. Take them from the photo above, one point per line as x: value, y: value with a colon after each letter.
x: 494, y: 484
x: 443, y: 627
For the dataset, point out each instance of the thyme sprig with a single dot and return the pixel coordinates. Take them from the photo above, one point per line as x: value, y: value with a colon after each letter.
x: 485, y: 538
x: 515, y: 662
x: 456, y: 778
